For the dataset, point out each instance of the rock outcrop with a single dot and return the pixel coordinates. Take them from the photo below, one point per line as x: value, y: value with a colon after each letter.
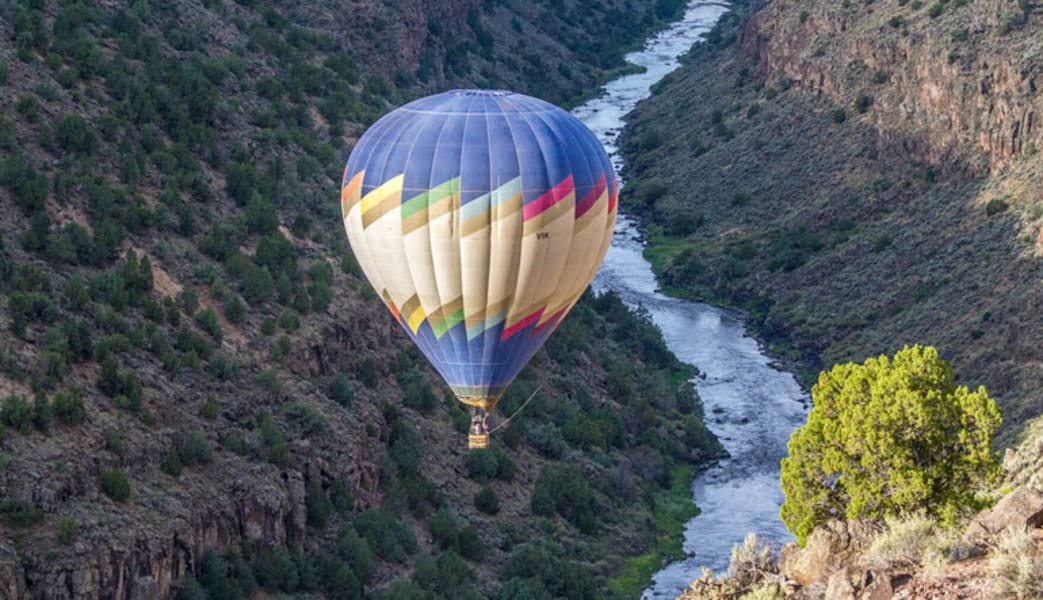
x: 1022, y: 508
x: 945, y: 91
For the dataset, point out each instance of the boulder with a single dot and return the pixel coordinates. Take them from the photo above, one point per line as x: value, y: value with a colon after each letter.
x: 876, y: 585
x: 1020, y: 509
x: 831, y: 545
x: 840, y: 586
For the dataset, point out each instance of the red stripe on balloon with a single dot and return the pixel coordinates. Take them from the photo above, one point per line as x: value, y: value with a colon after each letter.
x: 588, y: 201
x: 529, y: 320
x: 555, y: 195
x: 551, y: 322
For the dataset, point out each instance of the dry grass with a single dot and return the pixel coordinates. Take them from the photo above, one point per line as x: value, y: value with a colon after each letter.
x: 914, y: 540
x: 1017, y: 567
x: 753, y: 575
x: 752, y: 562
x: 903, y: 542
x: 766, y: 591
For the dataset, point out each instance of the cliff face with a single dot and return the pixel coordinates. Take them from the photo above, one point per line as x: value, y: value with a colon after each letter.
x: 956, y: 89
x: 859, y: 176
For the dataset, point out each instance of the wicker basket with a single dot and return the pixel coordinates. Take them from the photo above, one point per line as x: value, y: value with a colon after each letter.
x: 479, y: 440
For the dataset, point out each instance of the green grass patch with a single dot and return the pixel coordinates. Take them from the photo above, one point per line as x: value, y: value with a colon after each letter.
x: 671, y: 510
x: 662, y: 248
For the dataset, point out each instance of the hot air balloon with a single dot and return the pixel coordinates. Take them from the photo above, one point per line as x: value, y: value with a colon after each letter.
x: 479, y: 217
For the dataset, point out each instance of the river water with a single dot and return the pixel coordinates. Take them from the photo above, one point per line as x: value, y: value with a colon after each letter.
x: 751, y: 406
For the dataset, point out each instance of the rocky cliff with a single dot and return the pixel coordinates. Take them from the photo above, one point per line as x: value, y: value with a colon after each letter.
x: 956, y: 88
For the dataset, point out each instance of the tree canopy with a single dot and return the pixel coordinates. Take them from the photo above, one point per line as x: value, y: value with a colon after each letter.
x: 886, y: 437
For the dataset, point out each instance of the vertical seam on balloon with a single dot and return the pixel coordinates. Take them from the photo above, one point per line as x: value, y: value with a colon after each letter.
x: 443, y: 355
x: 572, y: 223
x: 489, y: 350
x: 468, y: 368
x: 516, y: 263
x: 387, y: 159
x: 519, y: 348
x: 476, y: 371
x: 365, y: 246
x: 427, y: 347
x: 487, y: 378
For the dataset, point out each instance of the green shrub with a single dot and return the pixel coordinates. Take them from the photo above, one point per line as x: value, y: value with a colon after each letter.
x: 340, y: 497
x: 318, y: 505
x: 931, y: 441
x: 550, y: 573
x: 267, y: 326
x: 289, y: 320
x: 566, y: 490
x: 17, y: 413
x: 115, y: 484
x: 341, y: 583
x: 419, y: 395
x: 486, y: 501
x: 448, y: 534
x: 235, y: 310
x: 75, y: 135
x: 208, y: 322
x: 113, y: 442
x: 389, y: 537
x: 480, y: 464
x: 486, y: 463
x: 341, y: 390
x: 234, y: 443
x: 276, y: 571
x: 20, y: 514
x: 547, y: 440
x: 66, y: 531
x: 995, y: 206
x: 269, y: 380
x: 272, y: 441
x: 863, y: 103
x: 68, y: 406
x: 882, y: 243
x: 839, y: 115
x: 209, y: 409
x: 171, y: 464
x: 355, y: 551
x: 367, y: 372
x: 197, y: 450
x: 518, y: 588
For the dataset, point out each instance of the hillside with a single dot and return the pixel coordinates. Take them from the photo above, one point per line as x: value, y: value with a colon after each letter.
x: 881, y: 179
x: 202, y: 395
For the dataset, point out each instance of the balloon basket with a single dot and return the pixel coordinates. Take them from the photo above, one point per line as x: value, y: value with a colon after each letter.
x: 478, y: 440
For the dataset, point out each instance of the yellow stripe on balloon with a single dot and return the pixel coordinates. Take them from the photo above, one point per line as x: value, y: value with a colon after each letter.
x: 382, y: 200
x: 415, y: 319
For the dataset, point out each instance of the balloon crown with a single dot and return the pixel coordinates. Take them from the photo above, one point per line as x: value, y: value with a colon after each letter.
x: 480, y: 92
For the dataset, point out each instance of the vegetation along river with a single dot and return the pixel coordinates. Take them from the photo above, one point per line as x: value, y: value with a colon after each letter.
x: 750, y: 406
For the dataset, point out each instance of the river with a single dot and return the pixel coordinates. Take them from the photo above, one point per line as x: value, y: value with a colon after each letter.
x: 751, y: 406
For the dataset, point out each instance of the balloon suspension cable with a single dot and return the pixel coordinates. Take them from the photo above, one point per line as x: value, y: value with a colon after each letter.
x: 524, y: 404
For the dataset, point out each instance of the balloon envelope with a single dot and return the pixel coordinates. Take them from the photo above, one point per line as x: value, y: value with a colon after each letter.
x: 479, y: 217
